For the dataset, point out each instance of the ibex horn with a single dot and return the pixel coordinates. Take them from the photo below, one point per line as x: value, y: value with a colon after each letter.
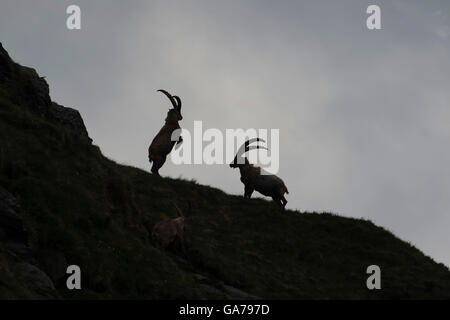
x: 174, y: 104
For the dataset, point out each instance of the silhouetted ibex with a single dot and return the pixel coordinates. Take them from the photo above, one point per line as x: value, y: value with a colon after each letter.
x: 162, y: 144
x: 251, y: 177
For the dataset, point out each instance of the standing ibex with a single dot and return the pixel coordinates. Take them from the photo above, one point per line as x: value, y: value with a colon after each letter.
x: 162, y: 144
x: 251, y: 177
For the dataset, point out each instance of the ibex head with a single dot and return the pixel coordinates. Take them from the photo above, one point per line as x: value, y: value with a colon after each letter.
x: 242, y: 150
x: 174, y: 115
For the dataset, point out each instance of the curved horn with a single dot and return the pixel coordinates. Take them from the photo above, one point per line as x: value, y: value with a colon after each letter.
x: 177, y: 98
x: 174, y: 104
x: 245, y: 147
x: 255, y: 147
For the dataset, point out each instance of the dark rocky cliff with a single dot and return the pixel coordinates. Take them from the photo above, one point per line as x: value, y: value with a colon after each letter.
x: 28, y: 89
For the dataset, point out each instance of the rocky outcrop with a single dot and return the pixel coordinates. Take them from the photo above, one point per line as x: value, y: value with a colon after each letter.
x: 11, y: 226
x: 37, y: 281
x: 70, y: 118
x: 5, y: 64
x: 16, y: 253
x: 32, y: 92
x: 54, y: 263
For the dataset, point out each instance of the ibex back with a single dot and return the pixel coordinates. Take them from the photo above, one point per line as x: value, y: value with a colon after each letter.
x: 266, y: 184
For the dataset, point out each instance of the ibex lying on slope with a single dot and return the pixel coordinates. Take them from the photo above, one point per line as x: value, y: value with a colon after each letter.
x: 251, y: 177
x: 162, y: 144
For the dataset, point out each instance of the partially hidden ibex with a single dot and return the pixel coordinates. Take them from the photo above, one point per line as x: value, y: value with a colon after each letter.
x: 162, y: 144
x: 169, y: 234
x: 267, y: 184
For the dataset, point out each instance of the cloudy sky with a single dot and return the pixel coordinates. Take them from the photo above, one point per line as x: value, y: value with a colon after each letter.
x: 363, y: 115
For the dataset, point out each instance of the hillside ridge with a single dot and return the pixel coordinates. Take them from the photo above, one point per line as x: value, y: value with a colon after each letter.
x: 63, y: 203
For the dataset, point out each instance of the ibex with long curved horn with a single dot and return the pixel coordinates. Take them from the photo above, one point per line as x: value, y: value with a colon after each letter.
x: 267, y: 184
x: 162, y: 144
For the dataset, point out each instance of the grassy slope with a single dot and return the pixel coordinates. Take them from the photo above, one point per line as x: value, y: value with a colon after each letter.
x: 94, y: 211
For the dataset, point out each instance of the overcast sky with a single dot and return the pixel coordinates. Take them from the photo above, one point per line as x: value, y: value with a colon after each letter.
x: 363, y: 115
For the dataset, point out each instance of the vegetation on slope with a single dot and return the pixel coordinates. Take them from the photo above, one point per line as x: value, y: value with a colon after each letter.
x: 82, y: 208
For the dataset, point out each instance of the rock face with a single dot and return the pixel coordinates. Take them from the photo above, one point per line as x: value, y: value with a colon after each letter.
x: 16, y: 252
x: 54, y: 263
x: 36, y: 279
x: 32, y: 91
x: 5, y: 64
x: 11, y: 226
x: 69, y: 118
